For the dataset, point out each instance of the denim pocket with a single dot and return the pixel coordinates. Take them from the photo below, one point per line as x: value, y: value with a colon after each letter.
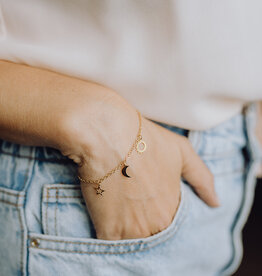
x: 67, y: 226
x: 64, y: 212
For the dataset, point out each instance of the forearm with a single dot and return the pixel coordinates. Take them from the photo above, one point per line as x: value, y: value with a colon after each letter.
x: 35, y: 103
x: 95, y: 127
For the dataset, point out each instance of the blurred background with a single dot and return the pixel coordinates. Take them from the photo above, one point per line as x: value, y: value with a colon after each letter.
x: 252, y: 260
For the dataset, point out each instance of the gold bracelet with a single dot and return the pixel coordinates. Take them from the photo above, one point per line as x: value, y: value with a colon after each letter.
x: 136, y: 145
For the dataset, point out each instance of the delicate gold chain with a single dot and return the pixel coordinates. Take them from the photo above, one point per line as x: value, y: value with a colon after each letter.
x: 122, y: 163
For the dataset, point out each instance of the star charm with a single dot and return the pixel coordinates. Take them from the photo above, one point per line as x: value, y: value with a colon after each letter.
x: 99, y: 190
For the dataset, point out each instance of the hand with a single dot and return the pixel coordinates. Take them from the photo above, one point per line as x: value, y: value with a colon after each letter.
x: 146, y: 203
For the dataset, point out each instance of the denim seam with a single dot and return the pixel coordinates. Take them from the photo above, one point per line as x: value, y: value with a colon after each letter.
x: 46, y: 213
x: 46, y: 201
x: 250, y: 123
x: 110, y: 253
x: 22, y: 243
x: 63, y: 188
x: 8, y: 193
x: 56, y: 206
x: 18, y: 208
x: 238, y: 223
x: 10, y: 203
x: 27, y: 175
x: 169, y: 234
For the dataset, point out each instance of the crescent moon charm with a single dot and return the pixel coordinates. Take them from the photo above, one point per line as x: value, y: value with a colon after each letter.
x: 138, y: 146
x: 124, y: 171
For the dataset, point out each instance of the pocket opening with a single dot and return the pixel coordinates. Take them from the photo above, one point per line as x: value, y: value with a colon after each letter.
x: 59, y: 199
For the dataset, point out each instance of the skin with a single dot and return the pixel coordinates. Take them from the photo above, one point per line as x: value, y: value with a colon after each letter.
x: 94, y: 126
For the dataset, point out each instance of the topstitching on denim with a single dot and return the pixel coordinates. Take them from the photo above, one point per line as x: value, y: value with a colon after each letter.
x: 124, y: 246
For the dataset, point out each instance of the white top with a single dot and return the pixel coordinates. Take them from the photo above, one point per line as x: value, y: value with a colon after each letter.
x: 189, y: 63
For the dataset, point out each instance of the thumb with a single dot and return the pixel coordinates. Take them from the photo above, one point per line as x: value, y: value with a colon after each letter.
x: 198, y: 175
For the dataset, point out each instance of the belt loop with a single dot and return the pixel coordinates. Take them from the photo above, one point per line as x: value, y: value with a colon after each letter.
x: 30, y: 168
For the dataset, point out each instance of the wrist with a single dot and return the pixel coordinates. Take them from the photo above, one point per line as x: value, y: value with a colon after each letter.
x: 99, y: 133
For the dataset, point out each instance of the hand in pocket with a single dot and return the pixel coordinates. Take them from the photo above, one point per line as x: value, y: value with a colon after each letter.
x: 146, y: 203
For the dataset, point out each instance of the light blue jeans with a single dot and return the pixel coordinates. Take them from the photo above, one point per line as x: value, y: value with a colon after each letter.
x: 45, y: 228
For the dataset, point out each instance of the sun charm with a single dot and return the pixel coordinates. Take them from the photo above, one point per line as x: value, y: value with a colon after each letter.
x: 141, y: 146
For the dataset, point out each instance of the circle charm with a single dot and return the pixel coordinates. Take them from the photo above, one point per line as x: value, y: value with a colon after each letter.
x: 138, y: 146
